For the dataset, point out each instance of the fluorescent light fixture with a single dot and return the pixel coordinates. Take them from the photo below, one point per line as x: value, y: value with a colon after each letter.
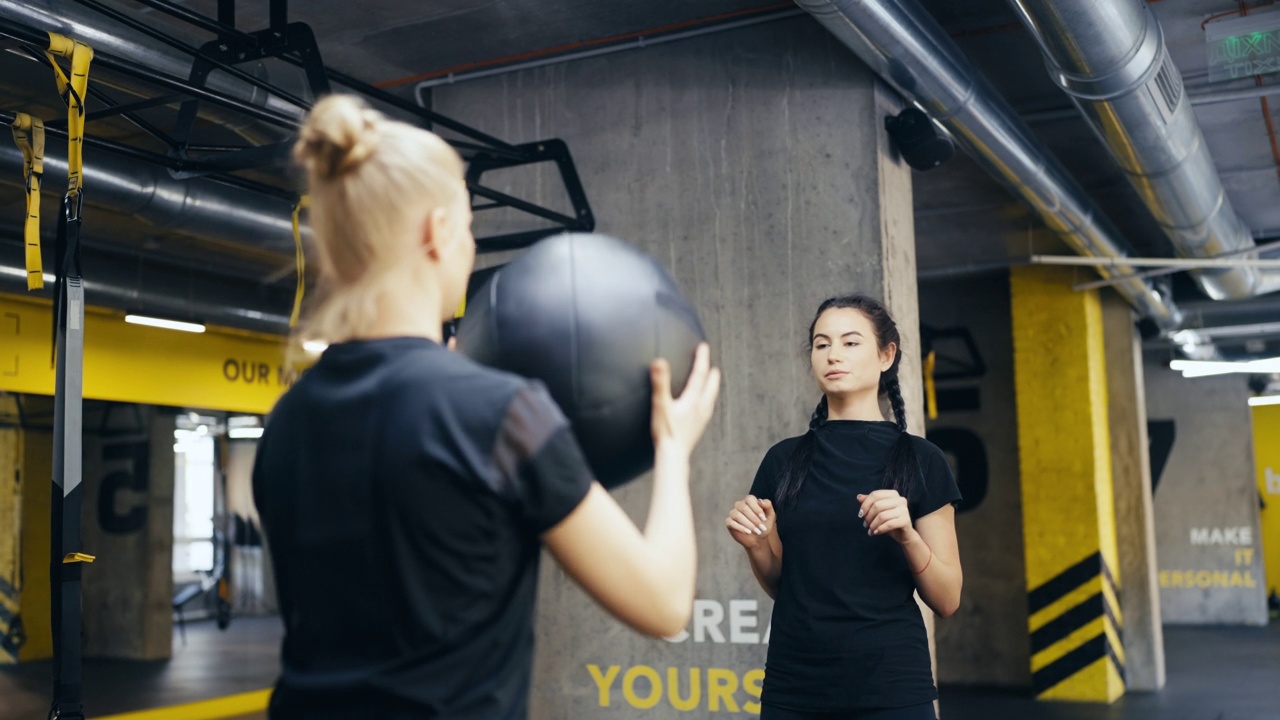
x: 315, y: 346
x: 1205, y: 368
x: 246, y: 433
x: 163, y: 323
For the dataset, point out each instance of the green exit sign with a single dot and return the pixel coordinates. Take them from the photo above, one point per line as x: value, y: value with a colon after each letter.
x: 1243, y: 47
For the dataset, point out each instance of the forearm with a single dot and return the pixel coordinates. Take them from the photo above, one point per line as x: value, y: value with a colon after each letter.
x: 937, y: 580
x: 669, y: 531
x: 767, y: 568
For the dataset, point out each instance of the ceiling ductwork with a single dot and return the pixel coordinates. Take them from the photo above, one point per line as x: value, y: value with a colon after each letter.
x: 199, y: 208
x: 1110, y: 58
x: 903, y: 44
x: 127, y: 283
x: 104, y: 35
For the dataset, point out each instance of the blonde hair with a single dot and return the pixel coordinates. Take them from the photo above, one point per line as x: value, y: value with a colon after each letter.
x: 370, y: 179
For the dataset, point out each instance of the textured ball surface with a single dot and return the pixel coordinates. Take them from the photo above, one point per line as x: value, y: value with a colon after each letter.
x: 586, y: 314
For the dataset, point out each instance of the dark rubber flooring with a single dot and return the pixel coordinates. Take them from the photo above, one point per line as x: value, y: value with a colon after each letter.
x: 1214, y: 673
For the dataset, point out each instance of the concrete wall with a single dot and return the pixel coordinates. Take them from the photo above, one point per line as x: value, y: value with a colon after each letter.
x: 754, y: 165
x: 128, y: 525
x: 1206, y: 501
x: 986, y: 642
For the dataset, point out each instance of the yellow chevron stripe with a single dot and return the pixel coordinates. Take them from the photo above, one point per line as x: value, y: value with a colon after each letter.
x: 1055, y: 651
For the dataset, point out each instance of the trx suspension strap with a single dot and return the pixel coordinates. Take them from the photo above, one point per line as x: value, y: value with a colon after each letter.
x: 28, y: 134
x: 68, y: 493
x: 303, y: 203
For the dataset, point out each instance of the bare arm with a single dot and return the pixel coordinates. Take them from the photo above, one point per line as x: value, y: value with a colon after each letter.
x: 753, y: 525
x: 647, y: 579
x: 930, y: 547
x: 934, y: 558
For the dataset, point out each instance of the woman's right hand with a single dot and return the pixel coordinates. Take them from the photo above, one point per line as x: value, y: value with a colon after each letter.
x: 678, y: 422
x: 751, y: 522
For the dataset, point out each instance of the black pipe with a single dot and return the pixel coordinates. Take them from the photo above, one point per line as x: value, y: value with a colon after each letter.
x: 154, y: 34
x: 26, y: 35
x: 196, y: 19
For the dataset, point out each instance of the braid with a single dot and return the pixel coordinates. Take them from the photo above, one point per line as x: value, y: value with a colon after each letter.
x: 801, y: 455
x: 903, y: 470
x: 893, y: 389
x: 819, y: 416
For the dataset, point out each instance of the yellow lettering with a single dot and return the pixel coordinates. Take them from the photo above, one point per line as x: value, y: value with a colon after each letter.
x: 752, y: 682
x: 629, y: 687
x: 1164, y: 578
x: 1220, y: 578
x: 721, y: 685
x: 1248, y: 579
x: 604, y: 681
x: 695, y: 689
x: 1204, y: 579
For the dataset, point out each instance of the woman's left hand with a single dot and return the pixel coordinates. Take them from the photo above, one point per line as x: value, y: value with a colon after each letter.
x: 884, y: 512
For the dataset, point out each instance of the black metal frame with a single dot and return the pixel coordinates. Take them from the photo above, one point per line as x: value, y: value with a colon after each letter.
x: 295, y: 44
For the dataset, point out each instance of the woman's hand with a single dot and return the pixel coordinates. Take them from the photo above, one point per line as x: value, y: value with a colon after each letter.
x: 678, y: 423
x: 751, y: 522
x: 884, y: 512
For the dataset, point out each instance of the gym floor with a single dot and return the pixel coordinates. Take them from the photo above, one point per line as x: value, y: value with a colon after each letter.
x: 1214, y: 673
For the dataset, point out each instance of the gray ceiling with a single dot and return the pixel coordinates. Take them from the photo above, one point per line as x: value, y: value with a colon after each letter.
x: 962, y: 216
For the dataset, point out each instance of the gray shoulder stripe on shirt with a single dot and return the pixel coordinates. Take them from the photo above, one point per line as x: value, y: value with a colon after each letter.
x: 531, y: 419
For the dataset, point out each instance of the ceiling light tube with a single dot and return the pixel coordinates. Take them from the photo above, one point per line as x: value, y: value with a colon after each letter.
x: 164, y: 323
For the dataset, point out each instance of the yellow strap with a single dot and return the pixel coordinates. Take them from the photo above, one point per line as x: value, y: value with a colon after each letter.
x: 462, y: 307
x: 72, y: 89
x: 77, y: 557
x: 28, y: 133
x: 303, y: 202
x: 930, y: 388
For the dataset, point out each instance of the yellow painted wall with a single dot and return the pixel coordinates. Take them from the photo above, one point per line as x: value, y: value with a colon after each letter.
x: 10, y: 534
x: 1266, y: 448
x: 37, y: 501
x: 215, y: 370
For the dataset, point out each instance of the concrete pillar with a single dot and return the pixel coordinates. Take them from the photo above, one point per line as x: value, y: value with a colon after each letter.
x: 1131, y: 481
x: 128, y: 526
x: 1073, y: 573
x: 985, y: 643
x: 755, y: 166
x: 10, y: 532
x: 37, y: 502
x: 1206, y: 502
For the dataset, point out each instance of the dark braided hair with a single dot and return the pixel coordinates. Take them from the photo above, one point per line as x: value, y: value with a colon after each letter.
x: 903, y: 471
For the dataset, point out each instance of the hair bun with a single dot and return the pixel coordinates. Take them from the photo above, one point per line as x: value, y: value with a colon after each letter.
x: 340, y: 133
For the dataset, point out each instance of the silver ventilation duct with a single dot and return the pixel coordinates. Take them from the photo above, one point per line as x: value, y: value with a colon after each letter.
x: 902, y: 43
x: 1110, y: 57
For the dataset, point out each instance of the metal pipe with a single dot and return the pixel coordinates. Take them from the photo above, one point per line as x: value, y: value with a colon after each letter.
x: 903, y: 44
x: 130, y: 283
x: 637, y: 44
x: 1180, y: 263
x: 1111, y: 58
x: 111, y: 38
x: 199, y: 208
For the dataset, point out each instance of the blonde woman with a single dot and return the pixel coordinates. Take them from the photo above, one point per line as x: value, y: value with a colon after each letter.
x: 406, y: 491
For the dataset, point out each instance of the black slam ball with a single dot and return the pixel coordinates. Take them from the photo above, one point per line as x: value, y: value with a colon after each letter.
x: 586, y: 314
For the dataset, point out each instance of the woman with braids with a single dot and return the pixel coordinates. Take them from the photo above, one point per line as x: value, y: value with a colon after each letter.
x: 865, y: 512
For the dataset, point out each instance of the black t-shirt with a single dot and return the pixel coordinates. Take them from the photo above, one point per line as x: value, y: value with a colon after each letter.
x: 402, y: 490
x: 847, y: 633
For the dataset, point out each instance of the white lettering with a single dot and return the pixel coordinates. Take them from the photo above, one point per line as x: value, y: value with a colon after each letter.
x: 1273, y: 482
x: 707, y: 616
x: 1242, y: 535
x: 742, y: 615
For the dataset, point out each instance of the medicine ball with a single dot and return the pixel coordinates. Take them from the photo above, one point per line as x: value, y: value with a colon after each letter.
x: 586, y: 314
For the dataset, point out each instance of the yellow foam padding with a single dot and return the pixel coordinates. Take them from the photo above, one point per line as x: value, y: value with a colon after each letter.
x: 215, y: 709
